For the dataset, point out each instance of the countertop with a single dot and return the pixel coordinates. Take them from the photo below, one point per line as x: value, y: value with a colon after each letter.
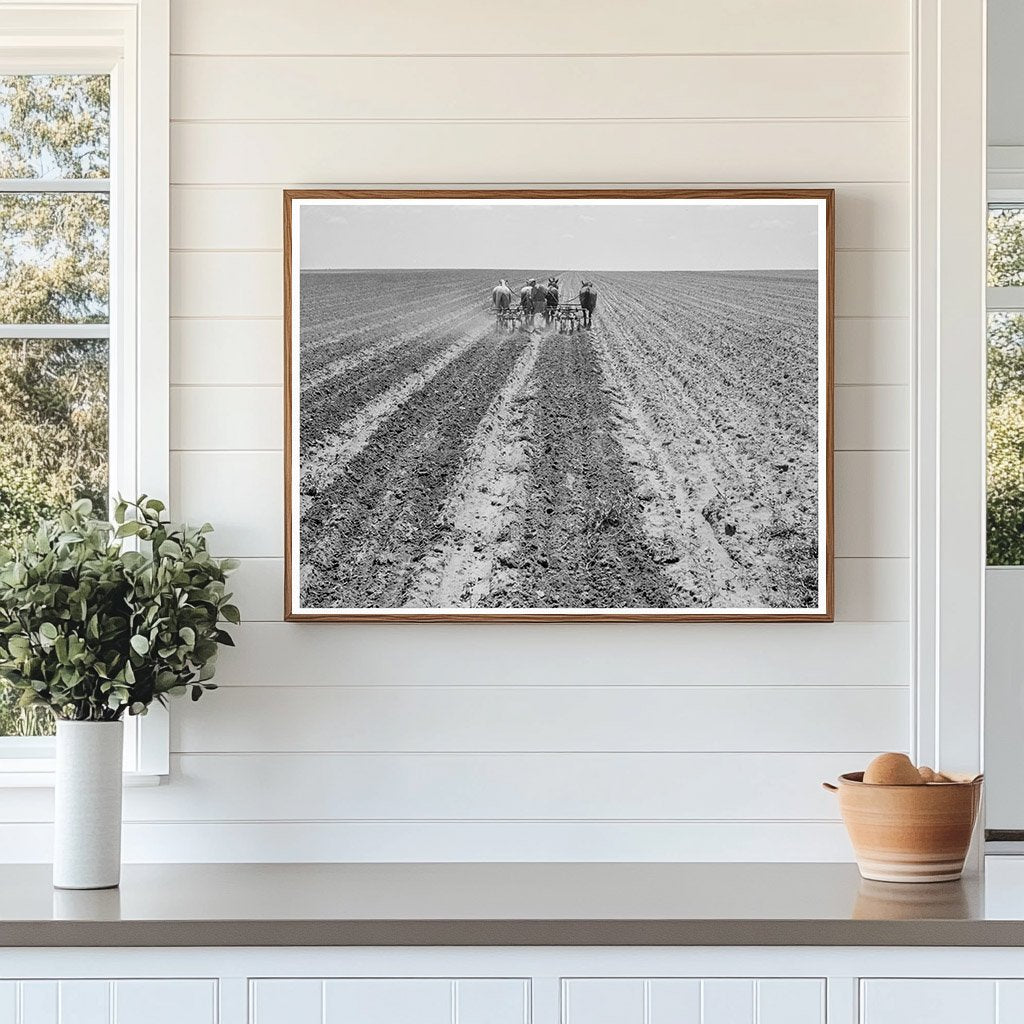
x: 557, y: 904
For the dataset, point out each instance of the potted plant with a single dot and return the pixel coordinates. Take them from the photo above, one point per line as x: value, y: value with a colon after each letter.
x: 99, y: 620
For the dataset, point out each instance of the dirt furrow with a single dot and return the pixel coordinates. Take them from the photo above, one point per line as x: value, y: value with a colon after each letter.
x: 336, y: 450
x: 365, y: 531
x: 670, y: 507
x: 578, y: 543
x: 335, y: 399
x: 733, y: 459
x: 486, y: 501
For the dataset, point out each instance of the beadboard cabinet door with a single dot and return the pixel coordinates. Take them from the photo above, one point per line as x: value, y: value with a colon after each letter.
x: 693, y: 1001
x: 388, y: 1001
x: 101, y: 1001
x: 942, y: 1001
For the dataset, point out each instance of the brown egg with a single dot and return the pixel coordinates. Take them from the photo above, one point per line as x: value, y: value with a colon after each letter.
x: 893, y: 770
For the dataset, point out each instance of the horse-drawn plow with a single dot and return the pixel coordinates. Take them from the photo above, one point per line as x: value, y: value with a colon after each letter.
x: 510, y: 319
x: 537, y: 302
x: 568, y: 317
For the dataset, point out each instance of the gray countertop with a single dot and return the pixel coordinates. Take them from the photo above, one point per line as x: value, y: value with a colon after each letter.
x: 505, y: 904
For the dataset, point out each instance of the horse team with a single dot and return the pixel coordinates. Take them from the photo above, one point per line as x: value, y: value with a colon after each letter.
x: 544, y: 300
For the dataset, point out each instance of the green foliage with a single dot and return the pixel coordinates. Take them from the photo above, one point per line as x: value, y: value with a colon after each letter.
x: 53, y: 252
x: 91, y: 630
x: 53, y: 269
x: 1005, y: 247
x: 53, y: 445
x: 20, y: 721
x: 54, y: 126
x: 1005, y: 484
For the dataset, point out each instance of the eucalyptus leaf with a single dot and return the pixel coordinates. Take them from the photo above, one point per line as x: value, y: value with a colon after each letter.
x: 93, y: 631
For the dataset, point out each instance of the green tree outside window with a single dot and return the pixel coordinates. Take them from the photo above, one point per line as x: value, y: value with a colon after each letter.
x: 54, y: 270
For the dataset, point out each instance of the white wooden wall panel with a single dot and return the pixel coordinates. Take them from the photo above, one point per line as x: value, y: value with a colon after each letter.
x: 870, y: 488
x: 286, y: 1001
x: 214, y: 418
x: 572, y: 151
x: 693, y: 1001
x: 477, y: 87
x: 325, y: 26
x: 929, y: 1001
x: 165, y: 1002
x: 547, y: 718
x: 867, y: 418
x: 227, y: 352
x: 239, y: 492
x: 674, y: 1001
x: 872, y: 350
x: 727, y: 1001
x: 603, y: 1001
x: 389, y: 1001
x: 533, y: 742
x: 38, y: 1003
x: 1009, y: 1001
x: 705, y: 654
x: 230, y: 842
x: 492, y: 1001
x: 85, y: 1002
x: 507, y: 786
x: 100, y: 1001
x: 790, y: 1001
x: 868, y: 215
x: 872, y: 589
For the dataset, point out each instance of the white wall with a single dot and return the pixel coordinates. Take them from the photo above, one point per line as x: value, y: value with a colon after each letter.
x: 660, y: 741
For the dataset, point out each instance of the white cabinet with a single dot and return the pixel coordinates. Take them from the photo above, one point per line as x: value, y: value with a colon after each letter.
x: 388, y: 1001
x: 693, y: 1001
x: 942, y: 1001
x: 95, y: 1001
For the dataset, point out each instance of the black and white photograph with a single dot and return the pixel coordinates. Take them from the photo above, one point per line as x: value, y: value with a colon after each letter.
x: 601, y: 405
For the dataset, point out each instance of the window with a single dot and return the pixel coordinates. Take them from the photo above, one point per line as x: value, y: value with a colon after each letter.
x: 54, y: 309
x: 84, y: 124
x: 1005, y: 478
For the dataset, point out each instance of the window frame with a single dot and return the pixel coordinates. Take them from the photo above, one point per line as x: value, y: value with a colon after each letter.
x: 1004, y: 298
x: 130, y: 41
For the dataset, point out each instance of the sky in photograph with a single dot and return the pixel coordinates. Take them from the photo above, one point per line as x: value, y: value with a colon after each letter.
x: 600, y: 235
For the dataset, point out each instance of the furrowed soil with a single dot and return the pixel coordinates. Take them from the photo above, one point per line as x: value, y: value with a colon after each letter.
x: 667, y: 457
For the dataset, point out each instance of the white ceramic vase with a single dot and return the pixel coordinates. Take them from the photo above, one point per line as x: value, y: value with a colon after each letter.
x: 87, y: 808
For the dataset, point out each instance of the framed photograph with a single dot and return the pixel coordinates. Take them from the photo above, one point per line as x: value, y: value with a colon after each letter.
x: 565, y: 405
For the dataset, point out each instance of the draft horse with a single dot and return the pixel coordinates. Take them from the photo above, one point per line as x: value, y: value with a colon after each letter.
x: 588, y: 302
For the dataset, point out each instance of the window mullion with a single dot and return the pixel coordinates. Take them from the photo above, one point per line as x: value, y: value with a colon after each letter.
x: 64, y: 332
x: 54, y: 185
x: 1006, y: 299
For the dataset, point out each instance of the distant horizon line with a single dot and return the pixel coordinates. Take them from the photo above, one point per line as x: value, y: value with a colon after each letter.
x: 521, y: 270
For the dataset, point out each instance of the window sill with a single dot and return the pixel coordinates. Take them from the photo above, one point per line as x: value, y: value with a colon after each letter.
x: 39, y: 774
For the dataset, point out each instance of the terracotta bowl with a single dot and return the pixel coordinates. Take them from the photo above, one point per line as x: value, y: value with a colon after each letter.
x: 909, y: 833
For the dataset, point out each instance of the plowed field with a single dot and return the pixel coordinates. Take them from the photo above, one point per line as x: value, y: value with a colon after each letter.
x: 666, y: 458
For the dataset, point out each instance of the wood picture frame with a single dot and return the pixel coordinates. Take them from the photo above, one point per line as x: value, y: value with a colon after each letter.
x: 347, y: 315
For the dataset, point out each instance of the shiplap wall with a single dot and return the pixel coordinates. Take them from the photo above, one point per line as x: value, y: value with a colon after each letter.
x: 655, y: 741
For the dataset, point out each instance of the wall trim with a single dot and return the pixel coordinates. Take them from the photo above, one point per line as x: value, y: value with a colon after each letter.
x: 949, y: 285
